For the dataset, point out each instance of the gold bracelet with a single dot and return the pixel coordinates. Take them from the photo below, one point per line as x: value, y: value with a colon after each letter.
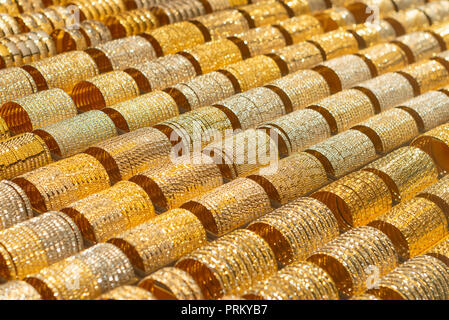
x: 18, y: 290
x: 127, y: 293
x: 223, y: 24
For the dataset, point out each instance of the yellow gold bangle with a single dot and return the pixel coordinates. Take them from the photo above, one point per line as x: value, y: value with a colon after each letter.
x: 223, y: 24
x: 18, y: 290
x: 127, y: 293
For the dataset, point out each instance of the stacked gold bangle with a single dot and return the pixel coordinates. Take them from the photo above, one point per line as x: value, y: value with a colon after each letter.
x: 356, y: 199
x: 298, y: 56
x: 176, y: 37
x: 30, y: 21
x: 8, y: 25
x: 438, y: 193
x: 143, y: 111
x: 362, y: 9
x: 37, y: 110
x: 420, y: 278
x: 19, y: 84
x: 230, y: 264
x: 178, y: 10
x: 406, y: 171
x: 436, y: 11
x: 21, y: 154
x: 345, y: 109
x: 18, y: 290
x: 171, y: 184
x: 98, y: 9
x: 298, y: 130
x: 120, y: 54
x: 441, y: 30
x: 299, y: 281
x: 172, y: 284
x: 390, y: 129
x: 4, y: 130
x: 248, y: 109
x: 430, y: 109
x: 413, y: 226
x: 15, y: 206
x: 162, y: 72
x: 253, y: 72
x: 161, y: 240
x: 300, y: 89
x: 344, y: 152
x: 296, y: 229
x: 296, y: 175
x: 387, y: 90
x: 223, y: 24
x: 62, y: 71
x: 95, y: 32
x: 350, y: 258
x: 386, y: 57
x: 104, y: 90
x: 85, y: 275
x: 335, y: 43
x: 56, y: 185
x: 344, y: 72
x: 264, y: 13
x: 243, y: 152
x: 191, y: 131
x: 127, y: 293
x: 213, y: 55
x: 301, y: 28
x: 73, y: 135
x: 230, y: 206
x: 440, y: 250
x: 203, y: 90
x: 436, y: 143
x: 334, y: 18
x: 261, y: 40
x: 408, y: 21
x: 130, y: 23
x: 108, y: 213
x: 418, y: 45
x: 373, y: 33
x: 68, y: 39
x: 131, y: 153
x: 36, y: 243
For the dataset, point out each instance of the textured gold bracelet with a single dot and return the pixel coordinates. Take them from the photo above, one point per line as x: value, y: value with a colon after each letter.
x: 161, y: 240
x: 349, y: 259
x: 203, y: 90
x: 230, y: 206
x: 420, y: 278
x: 85, y: 275
x: 418, y: 45
x: 104, y: 90
x: 213, y: 55
x: 18, y: 290
x: 356, y: 199
x: 62, y: 71
x: 302, y: 55
x: 44, y: 240
x: 37, y: 110
x: 408, y: 21
x: 301, y: 28
x: 387, y: 90
x: 406, y: 171
x: 131, y: 153
x: 162, y: 72
x: 298, y: 130
x: 441, y: 30
x: 335, y: 43
x: 390, y: 129
x: 178, y: 10
x: 298, y: 281
x: 143, y: 111
x: 14, y: 204
x: 231, y: 264
x: 264, y: 13
x: 344, y: 109
x: 171, y: 184
x: 253, y: 72
x: 261, y: 40
x: 386, y: 57
x: 334, y: 18
x: 373, y: 33
x: 172, y: 284
x: 110, y: 212
x: 296, y: 175
x: 56, y: 185
x: 427, y: 75
x: 19, y: 84
x: 344, y: 152
x: 223, y: 24
x: 73, y: 135
x: 130, y: 23
x: 413, y: 226
x: 247, y: 110
x: 21, y: 154
x: 296, y: 229
x: 438, y: 193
